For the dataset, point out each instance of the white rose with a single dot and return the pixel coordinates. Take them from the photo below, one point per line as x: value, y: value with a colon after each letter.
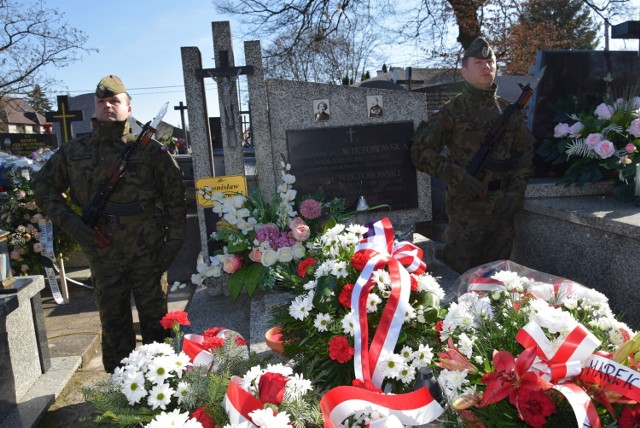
x: 269, y: 257
x: 298, y: 251
x: 285, y: 254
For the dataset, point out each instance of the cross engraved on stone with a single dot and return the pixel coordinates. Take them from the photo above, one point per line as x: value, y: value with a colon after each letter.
x: 64, y: 116
x: 351, y: 132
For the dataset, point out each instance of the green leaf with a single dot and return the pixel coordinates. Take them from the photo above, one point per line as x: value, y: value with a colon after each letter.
x: 325, y: 298
x: 249, y: 276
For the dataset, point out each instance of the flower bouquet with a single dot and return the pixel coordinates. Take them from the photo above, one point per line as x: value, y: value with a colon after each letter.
x: 178, y: 383
x: 597, y: 143
x: 522, y: 348
x: 324, y: 327
x: 260, y: 238
x: 272, y: 397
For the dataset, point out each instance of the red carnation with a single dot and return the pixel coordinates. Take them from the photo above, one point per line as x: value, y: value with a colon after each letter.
x: 200, y: 414
x: 534, y: 406
x: 340, y: 350
x: 212, y: 332
x: 304, y: 267
x: 359, y: 260
x: 212, y: 343
x: 271, y: 388
x: 345, y: 295
x: 179, y: 317
x: 630, y: 417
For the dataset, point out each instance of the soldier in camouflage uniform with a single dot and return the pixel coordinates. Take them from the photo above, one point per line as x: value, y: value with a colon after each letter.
x: 481, y: 211
x: 144, y: 220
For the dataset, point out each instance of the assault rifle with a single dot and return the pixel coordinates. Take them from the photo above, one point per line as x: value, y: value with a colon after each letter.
x: 479, y: 162
x: 93, y: 211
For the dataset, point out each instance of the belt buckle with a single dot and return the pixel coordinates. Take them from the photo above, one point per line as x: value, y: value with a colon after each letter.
x: 112, y: 219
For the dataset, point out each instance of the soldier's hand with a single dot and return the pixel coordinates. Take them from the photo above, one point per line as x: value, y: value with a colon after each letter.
x: 471, y: 186
x: 80, y: 231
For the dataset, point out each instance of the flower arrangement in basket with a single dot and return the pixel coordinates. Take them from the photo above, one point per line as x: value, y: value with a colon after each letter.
x: 597, y: 142
x: 261, y: 238
x: 361, y: 320
x: 522, y: 348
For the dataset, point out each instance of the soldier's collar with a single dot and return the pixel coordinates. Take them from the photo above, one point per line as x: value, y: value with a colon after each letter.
x: 110, y: 129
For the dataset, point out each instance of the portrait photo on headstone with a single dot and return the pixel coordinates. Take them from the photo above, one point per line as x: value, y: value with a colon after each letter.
x: 375, y: 106
x: 321, y: 110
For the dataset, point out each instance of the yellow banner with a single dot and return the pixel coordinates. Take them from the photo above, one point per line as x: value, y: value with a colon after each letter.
x: 228, y: 184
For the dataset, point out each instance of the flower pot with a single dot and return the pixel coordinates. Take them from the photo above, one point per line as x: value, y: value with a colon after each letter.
x: 273, y: 338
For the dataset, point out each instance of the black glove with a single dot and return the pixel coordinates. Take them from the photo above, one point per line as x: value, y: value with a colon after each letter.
x: 168, y: 252
x: 80, y: 231
x: 471, y: 186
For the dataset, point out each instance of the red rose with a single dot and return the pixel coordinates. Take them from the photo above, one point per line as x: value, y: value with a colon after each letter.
x: 359, y: 260
x: 345, y: 295
x: 200, y: 414
x: 630, y: 417
x: 240, y: 341
x: 534, y: 406
x: 304, y: 267
x: 179, y: 317
x: 340, y: 350
x: 271, y: 388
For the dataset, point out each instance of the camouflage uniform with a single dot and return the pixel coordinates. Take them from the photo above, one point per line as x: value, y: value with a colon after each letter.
x: 144, y: 220
x: 480, y: 229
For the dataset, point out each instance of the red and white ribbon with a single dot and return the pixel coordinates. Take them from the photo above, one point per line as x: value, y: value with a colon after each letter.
x: 193, y: 346
x: 480, y: 284
x: 239, y: 403
x: 612, y: 376
x: 412, y: 409
x: 380, y: 249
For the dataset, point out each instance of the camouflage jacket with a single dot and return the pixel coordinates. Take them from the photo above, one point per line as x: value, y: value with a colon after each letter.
x: 445, y: 144
x: 152, y: 178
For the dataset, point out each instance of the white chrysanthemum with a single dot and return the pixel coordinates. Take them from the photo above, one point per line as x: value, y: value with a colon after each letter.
x: 339, y: 269
x: 381, y: 278
x: 555, y: 320
x: 452, y: 382
x: 311, y: 285
x: 409, y: 314
x: 322, y: 321
x: 324, y: 269
x: 160, y: 396
x: 267, y: 419
x: 511, y: 280
x: 427, y: 283
x: 297, y: 386
x: 161, y: 368
x: 616, y: 337
x: 181, y: 363
x: 373, y: 300
x: 174, y: 419
x: 133, y: 387
x: 349, y: 240
x: 348, y: 325
x: 407, y: 373
x: 458, y: 317
x: 465, y: 345
x: 182, y: 391
x: 407, y: 353
x: 423, y: 356
x: 357, y: 229
x: 300, y: 308
x: 391, y: 365
x: 251, y: 378
x: 278, y: 368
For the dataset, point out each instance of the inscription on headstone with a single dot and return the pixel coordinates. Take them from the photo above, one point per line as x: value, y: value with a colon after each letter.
x: 351, y: 161
x: 437, y: 95
x: 25, y: 144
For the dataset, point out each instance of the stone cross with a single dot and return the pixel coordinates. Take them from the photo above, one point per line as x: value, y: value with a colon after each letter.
x: 182, y: 108
x: 65, y: 116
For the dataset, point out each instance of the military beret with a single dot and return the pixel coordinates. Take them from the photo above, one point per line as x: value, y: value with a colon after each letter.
x: 109, y: 86
x: 480, y: 49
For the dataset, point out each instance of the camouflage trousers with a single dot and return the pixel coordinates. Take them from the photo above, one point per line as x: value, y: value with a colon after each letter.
x: 114, y: 285
x: 472, y: 240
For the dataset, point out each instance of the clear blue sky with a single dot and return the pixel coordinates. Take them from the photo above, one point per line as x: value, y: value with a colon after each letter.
x: 140, y: 41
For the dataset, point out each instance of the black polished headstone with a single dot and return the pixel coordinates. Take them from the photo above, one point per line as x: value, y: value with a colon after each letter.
x: 580, y: 74
x: 352, y: 161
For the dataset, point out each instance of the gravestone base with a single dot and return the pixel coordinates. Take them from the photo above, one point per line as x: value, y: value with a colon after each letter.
x: 592, y: 239
x: 30, y: 378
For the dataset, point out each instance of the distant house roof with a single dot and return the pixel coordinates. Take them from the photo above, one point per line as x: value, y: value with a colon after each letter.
x: 396, y: 78
x: 18, y: 111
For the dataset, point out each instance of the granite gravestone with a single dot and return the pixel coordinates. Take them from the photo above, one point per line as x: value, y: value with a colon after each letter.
x: 25, y: 144
x: 352, y: 161
x: 580, y: 74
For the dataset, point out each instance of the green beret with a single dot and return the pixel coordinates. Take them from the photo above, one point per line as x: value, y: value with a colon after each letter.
x: 480, y: 49
x: 109, y: 86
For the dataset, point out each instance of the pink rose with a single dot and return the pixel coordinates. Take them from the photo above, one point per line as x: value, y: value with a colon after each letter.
x: 37, y: 247
x: 561, y: 130
x: 630, y: 148
x: 634, y: 128
x: 604, y: 149
x: 301, y: 233
x: 295, y: 222
x: 255, y: 255
x: 604, y: 111
x: 231, y: 264
x: 593, y: 139
x: 576, y: 129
